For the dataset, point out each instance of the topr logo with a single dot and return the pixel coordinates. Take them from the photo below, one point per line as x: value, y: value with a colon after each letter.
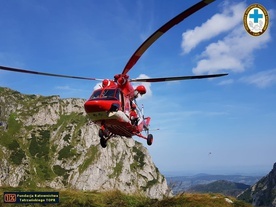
x: 255, y: 19
x: 9, y: 197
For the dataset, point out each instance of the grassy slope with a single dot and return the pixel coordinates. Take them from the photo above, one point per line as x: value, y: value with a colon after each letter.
x: 72, y: 198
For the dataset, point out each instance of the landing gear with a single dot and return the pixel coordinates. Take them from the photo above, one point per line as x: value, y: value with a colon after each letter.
x: 149, y: 139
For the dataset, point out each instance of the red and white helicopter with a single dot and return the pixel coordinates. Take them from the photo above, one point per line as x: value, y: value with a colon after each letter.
x: 113, y: 107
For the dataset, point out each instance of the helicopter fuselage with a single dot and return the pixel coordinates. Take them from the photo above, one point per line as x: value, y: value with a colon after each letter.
x: 110, y: 106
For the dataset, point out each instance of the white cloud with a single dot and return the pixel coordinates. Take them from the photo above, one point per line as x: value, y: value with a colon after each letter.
x: 234, y: 51
x: 225, y: 21
x: 98, y: 85
x: 262, y: 79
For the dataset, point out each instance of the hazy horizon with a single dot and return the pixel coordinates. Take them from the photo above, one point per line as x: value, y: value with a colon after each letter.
x: 245, y: 171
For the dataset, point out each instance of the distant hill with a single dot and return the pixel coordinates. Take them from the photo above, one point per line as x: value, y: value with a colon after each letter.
x: 221, y: 186
x: 263, y: 193
x: 183, y: 183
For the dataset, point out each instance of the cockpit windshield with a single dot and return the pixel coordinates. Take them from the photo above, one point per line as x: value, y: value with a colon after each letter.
x: 111, y: 94
x: 96, y: 94
x: 108, y: 93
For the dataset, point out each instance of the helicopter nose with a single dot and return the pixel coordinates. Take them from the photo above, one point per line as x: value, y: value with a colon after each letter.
x: 100, y: 106
x: 96, y: 106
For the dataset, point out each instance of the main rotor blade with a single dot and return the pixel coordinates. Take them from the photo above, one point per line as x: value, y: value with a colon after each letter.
x: 42, y: 73
x: 158, y: 33
x: 177, y: 78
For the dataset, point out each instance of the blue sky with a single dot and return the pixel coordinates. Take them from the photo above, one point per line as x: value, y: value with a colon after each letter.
x: 232, y: 117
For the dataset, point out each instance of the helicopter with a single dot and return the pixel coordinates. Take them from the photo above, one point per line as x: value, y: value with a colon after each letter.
x: 114, y: 106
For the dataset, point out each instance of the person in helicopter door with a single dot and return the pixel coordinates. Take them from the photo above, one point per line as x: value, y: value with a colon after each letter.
x: 133, y: 115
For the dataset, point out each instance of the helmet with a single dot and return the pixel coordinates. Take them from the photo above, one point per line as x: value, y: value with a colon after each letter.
x: 105, y: 83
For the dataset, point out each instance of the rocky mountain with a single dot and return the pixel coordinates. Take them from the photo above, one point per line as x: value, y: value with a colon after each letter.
x: 263, y: 193
x: 221, y: 186
x: 49, y: 142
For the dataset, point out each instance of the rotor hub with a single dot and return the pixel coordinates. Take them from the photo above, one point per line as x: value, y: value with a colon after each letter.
x: 121, y: 79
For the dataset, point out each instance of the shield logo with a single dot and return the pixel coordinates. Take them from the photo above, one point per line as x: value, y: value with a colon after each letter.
x: 255, y: 19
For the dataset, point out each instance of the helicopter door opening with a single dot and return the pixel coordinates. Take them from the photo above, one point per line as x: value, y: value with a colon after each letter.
x: 121, y: 99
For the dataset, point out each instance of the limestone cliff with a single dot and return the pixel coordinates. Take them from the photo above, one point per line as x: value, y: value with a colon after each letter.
x: 263, y: 193
x: 49, y: 141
